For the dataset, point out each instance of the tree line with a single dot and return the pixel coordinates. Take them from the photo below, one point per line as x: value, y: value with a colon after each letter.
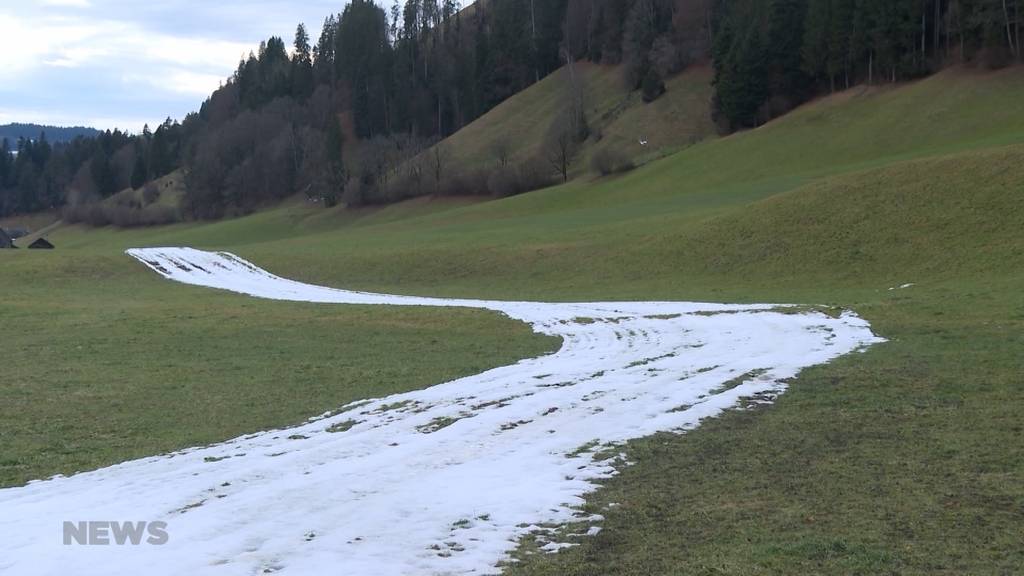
x: 16, y: 130
x: 394, y: 80
x: 771, y: 55
x: 348, y: 115
x: 37, y: 174
x: 341, y: 117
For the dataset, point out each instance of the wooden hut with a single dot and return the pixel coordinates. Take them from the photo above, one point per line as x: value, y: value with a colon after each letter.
x: 40, y: 244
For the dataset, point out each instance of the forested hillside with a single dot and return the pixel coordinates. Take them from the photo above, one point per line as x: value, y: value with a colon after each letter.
x: 16, y: 131
x: 351, y: 114
x: 771, y: 55
x: 45, y: 174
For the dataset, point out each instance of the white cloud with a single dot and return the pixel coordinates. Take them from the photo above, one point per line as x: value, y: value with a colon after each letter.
x: 184, y: 82
x: 73, y: 57
x: 22, y: 48
x: 94, y: 60
x: 179, y: 81
x: 61, y: 42
x: 57, y: 41
x: 67, y: 3
x: 200, y: 52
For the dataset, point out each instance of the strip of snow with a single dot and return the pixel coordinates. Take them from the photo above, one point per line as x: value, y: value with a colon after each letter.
x: 438, y: 481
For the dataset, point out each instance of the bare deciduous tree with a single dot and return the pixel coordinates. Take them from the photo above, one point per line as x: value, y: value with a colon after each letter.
x: 415, y: 172
x: 439, y: 157
x: 560, y: 150
x: 1009, y: 29
x: 501, y: 149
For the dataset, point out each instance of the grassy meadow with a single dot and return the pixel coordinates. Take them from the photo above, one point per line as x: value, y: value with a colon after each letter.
x: 104, y: 361
x: 906, y: 459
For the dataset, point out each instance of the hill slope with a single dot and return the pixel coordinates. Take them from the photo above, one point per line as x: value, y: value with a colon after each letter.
x: 618, y: 119
x: 620, y: 228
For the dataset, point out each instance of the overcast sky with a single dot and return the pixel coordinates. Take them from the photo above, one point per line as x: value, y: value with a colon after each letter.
x: 125, y: 63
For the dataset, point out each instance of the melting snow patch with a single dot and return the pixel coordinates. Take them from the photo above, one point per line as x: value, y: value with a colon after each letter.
x: 438, y: 481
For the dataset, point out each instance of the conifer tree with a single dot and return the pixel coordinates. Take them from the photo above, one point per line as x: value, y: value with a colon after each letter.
x: 302, y: 65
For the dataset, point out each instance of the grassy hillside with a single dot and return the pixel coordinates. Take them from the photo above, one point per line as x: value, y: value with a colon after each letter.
x: 905, y: 459
x: 679, y: 118
x: 678, y: 219
x: 170, y: 189
x: 618, y: 118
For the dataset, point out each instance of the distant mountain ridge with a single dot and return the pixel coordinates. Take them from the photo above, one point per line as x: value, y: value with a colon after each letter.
x: 12, y: 132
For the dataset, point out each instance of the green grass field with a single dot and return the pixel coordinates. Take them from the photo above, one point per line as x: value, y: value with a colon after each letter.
x: 907, y: 459
x: 103, y: 361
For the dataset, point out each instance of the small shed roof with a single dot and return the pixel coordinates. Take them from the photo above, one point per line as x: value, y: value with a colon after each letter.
x: 5, y: 240
x: 41, y: 244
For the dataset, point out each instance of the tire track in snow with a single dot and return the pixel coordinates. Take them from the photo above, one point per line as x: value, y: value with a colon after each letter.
x: 437, y: 481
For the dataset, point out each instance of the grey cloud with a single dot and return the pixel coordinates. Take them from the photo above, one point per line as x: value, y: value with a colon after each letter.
x: 121, y: 62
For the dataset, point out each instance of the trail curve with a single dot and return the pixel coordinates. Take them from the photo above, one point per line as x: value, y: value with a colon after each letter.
x: 444, y: 480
